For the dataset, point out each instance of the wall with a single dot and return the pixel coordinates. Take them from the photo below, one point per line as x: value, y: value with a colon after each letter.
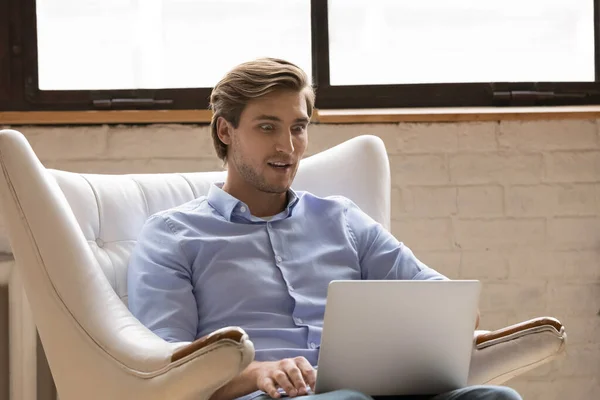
x: 514, y: 204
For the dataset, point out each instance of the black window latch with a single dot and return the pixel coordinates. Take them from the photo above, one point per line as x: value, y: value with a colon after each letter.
x: 128, y: 103
x: 535, y: 97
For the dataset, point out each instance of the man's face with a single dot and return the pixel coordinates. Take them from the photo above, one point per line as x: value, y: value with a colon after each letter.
x: 270, y: 140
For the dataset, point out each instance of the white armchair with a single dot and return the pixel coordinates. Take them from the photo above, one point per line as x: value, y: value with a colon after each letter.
x: 71, y: 235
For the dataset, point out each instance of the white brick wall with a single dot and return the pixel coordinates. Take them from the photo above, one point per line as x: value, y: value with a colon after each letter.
x: 514, y: 204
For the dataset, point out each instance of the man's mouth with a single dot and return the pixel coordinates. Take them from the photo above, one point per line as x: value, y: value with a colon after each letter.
x: 280, y: 165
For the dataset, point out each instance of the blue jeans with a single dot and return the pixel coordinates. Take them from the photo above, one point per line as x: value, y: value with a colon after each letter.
x: 468, y: 393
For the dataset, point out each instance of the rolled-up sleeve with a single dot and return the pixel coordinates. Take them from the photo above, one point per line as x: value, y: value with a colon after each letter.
x: 159, y: 284
x: 381, y: 255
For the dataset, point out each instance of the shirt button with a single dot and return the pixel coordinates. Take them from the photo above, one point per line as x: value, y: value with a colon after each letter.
x: 298, y: 320
x: 313, y: 346
x: 291, y: 288
x: 243, y: 209
x: 278, y: 259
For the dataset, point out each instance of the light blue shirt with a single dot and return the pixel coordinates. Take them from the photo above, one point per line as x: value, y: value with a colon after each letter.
x: 209, y: 263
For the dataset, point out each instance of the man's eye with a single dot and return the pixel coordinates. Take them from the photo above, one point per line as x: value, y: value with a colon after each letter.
x: 266, y: 127
x: 299, y: 128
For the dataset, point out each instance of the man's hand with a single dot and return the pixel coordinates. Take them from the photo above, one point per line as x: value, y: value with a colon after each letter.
x: 291, y: 374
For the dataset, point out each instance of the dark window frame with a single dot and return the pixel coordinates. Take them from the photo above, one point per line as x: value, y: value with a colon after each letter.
x: 447, y: 94
x: 19, y: 90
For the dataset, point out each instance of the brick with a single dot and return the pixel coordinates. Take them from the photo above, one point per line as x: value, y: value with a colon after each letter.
x: 424, y: 233
x: 323, y: 137
x: 163, y: 141
x: 135, y: 166
x: 434, y: 201
x: 185, y: 165
x: 574, y: 298
x: 506, y: 296
x: 573, y: 166
x: 580, y: 265
x: 480, y: 201
x: 401, y: 202
x: 536, y: 200
x: 521, y: 315
x: 574, y: 233
x: 428, y: 138
x: 553, y: 200
x: 67, y: 143
x: 578, y: 199
x: 483, y: 265
x: 476, y: 136
x: 480, y: 234
x: 446, y: 263
x: 492, y: 320
x: 99, y: 166
x: 530, y: 263
x: 548, y: 135
x: 495, y: 168
x: 419, y: 170
x: 581, y: 329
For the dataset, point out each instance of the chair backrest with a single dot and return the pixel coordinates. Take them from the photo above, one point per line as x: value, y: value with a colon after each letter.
x: 111, y: 209
x: 71, y: 236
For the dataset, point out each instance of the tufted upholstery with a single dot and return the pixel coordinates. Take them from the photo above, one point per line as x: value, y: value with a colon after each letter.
x: 111, y: 209
x: 72, y: 234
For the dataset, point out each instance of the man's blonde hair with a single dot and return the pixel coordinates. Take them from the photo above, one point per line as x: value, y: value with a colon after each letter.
x: 252, y: 80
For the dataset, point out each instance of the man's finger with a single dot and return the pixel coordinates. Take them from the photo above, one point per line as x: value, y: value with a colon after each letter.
x: 296, y: 377
x: 281, y: 378
x: 269, y: 388
x: 308, y: 372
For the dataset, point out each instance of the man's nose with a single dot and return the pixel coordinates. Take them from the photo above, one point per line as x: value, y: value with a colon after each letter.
x: 285, y: 143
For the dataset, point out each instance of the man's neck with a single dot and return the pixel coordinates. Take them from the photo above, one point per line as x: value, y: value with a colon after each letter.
x: 261, y: 204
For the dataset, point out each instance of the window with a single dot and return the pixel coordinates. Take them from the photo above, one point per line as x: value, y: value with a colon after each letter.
x: 166, y: 54
x: 157, y: 44
x: 440, y: 41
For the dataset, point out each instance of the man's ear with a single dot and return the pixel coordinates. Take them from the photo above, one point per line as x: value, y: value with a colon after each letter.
x: 224, y: 129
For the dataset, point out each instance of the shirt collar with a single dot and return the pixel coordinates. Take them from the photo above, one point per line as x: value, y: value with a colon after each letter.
x: 228, y: 206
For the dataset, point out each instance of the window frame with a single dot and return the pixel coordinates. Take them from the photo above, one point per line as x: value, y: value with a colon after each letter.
x: 19, y: 90
x: 489, y: 94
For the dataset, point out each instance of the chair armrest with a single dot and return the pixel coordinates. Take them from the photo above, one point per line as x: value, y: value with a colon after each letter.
x: 200, y: 368
x: 501, y: 355
x: 234, y: 334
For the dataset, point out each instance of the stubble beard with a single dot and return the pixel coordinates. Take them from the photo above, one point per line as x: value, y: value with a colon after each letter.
x: 252, y: 177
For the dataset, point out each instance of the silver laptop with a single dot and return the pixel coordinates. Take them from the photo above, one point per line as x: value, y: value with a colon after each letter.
x: 397, y: 337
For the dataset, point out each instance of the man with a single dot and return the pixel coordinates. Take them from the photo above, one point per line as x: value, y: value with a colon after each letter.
x: 253, y: 253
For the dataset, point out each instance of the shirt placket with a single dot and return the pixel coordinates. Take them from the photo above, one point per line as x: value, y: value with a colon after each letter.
x: 280, y: 263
